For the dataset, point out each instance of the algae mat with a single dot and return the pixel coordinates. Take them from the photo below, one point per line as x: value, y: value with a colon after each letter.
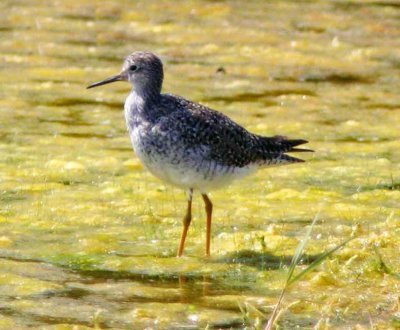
x: 88, y: 237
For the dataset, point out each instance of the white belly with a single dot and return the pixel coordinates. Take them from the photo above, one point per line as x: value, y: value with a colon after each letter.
x: 195, y: 173
x: 187, y: 177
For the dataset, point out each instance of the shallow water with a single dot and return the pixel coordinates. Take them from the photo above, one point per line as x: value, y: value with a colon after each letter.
x: 88, y: 237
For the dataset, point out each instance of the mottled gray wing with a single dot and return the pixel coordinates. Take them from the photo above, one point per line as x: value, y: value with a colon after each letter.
x: 227, y: 143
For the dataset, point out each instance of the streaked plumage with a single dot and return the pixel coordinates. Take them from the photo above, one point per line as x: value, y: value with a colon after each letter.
x: 187, y: 144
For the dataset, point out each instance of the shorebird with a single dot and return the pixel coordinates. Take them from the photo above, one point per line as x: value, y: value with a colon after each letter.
x: 187, y: 144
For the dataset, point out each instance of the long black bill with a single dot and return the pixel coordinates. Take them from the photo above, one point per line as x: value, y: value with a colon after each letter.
x: 118, y: 77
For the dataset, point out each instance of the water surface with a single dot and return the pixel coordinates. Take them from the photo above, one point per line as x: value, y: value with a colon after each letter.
x: 88, y: 237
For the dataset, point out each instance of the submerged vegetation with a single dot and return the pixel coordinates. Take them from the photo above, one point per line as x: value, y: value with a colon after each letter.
x: 88, y: 237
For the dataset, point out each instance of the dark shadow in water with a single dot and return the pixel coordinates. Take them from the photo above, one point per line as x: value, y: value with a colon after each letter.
x: 346, y: 5
x: 320, y: 76
x: 65, y: 122
x: 81, y: 42
x: 223, y: 282
x: 336, y: 78
x: 387, y: 106
x: 68, y: 57
x: 86, y: 135
x: 78, y: 16
x: 32, y: 319
x: 122, y: 149
x: 220, y: 281
x: 72, y: 293
x: 256, y: 96
x: 263, y: 260
x: 49, y: 100
x: 192, y: 289
x: 382, y: 186
x: 193, y: 286
x: 73, y: 182
x: 66, y: 102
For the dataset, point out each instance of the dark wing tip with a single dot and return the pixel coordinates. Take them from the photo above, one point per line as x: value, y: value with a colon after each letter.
x: 300, y: 150
x: 297, y: 142
x: 282, y: 144
x: 291, y: 160
x: 278, y: 146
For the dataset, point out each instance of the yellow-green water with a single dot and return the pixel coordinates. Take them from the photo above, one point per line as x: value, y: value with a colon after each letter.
x: 88, y: 237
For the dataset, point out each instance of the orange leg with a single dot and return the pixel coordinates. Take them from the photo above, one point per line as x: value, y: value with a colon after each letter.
x: 186, y: 223
x: 209, y: 207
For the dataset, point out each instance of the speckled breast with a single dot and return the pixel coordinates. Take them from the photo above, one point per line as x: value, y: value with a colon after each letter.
x: 180, y: 165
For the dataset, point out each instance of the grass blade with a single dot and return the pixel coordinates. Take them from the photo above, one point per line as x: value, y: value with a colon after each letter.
x: 319, y: 260
x: 299, y: 250
x: 295, y: 260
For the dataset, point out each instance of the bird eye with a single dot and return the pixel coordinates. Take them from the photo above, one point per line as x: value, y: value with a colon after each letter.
x: 133, y: 67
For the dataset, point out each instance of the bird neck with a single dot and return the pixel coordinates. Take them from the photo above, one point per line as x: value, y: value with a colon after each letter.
x: 145, y: 98
x: 146, y: 95
x: 141, y: 104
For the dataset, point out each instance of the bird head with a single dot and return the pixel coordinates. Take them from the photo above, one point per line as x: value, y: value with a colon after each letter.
x: 143, y: 70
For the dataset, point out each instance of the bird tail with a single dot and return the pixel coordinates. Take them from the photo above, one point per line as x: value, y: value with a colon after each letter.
x: 274, y: 149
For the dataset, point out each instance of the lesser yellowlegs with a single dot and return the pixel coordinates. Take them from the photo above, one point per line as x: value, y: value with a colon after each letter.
x: 187, y: 144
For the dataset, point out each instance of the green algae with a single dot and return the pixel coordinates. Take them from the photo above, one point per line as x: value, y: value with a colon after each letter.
x: 88, y: 237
